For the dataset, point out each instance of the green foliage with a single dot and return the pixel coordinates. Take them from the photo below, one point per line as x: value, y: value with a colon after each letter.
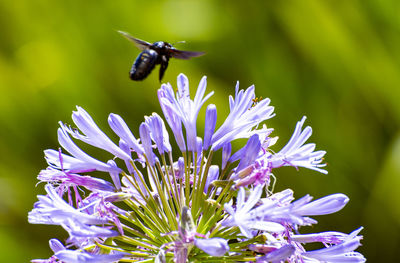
x: 336, y: 62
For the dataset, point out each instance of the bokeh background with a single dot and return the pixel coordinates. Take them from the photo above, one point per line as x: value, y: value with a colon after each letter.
x: 335, y: 61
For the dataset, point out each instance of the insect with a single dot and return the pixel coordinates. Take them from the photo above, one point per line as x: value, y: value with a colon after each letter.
x: 153, y: 54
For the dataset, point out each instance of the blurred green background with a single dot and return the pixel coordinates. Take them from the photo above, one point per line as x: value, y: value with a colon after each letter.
x: 337, y: 62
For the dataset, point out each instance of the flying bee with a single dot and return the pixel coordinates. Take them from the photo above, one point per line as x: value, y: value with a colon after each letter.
x: 153, y: 54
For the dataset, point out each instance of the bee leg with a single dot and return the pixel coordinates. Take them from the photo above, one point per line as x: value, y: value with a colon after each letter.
x: 163, y: 66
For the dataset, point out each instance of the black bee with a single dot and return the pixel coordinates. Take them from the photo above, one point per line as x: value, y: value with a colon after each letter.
x: 152, y: 54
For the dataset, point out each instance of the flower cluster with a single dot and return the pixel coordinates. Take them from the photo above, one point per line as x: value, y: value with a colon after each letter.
x: 148, y: 204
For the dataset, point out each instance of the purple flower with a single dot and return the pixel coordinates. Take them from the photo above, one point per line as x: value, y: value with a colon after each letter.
x: 73, y: 256
x: 92, y: 134
x: 296, y: 212
x: 119, y: 126
x: 76, y: 228
x: 159, y: 204
x: 212, y: 176
x: 331, y: 237
x: 166, y: 98
x: 226, y: 154
x: 209, y: 127
x: 56, y: 245
x: 298, y: 155
x: 216, y: 246
x: 242, y: 118
x: 256, y: 174
x: 53, y: 210
x: 158, y: 133
x: 249, y: 153
x: 262, y: 217
x: 343, y: 252
x: 146, y: 141
x: 326, y: 205
x: 79, y: 160
x: 91, y: 183
x: 115, y: 174
x: 183, y: 107
x: 246, y: 218
x: 279, y: 254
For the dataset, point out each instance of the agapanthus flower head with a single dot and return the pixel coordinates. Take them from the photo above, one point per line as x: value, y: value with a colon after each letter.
x: 152, y: 207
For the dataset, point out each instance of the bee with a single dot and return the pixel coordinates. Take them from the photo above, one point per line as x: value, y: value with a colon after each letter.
x: 153, y: 54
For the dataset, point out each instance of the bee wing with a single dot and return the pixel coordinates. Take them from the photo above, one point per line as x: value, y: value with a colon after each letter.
x: 140, y: 44
x: 181, y: 54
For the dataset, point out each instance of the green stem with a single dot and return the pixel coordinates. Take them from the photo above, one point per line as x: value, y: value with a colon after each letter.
x: 177, y: 193
x: 198, y: 200
x: 186, y: 157
x: 172, y: 191
x: 166, y: 205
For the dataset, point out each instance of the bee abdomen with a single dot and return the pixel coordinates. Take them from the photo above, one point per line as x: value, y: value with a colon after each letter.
x: 143, y: 64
